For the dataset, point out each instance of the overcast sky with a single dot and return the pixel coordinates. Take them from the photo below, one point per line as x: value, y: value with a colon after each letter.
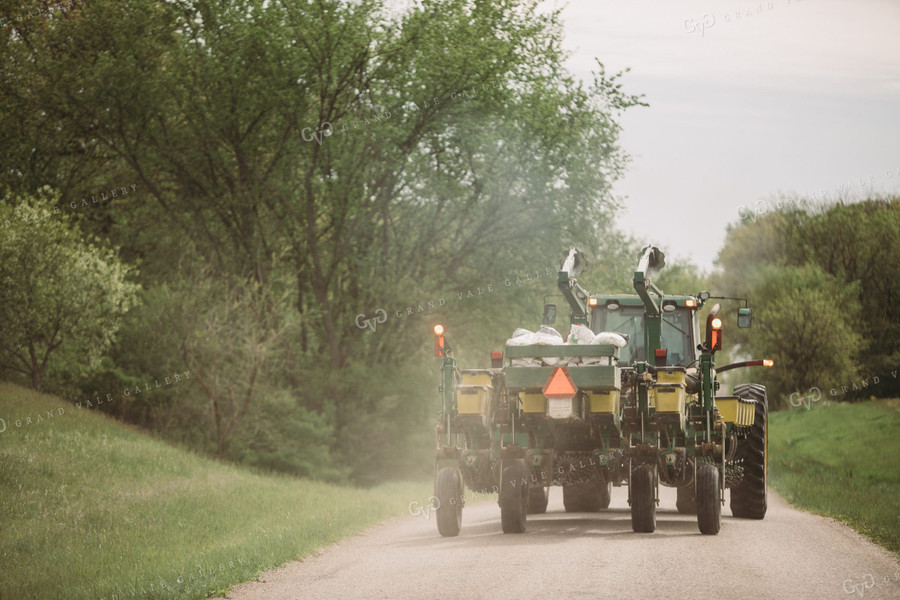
x: 802, y: 97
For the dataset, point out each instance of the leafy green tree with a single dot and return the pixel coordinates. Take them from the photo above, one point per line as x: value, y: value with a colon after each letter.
x: 371, y: 160
x: 301, y: 445
x: 753, y: 245
x: 807, y: 321
x: 853, y: 247
x: 858, y: 243
x: 61, y: 293
x: 226, y: 334
x: 45, y: 136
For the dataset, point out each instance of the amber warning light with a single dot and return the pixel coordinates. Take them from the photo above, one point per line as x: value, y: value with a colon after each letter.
x: 439, y: 347
x: 761, y: 362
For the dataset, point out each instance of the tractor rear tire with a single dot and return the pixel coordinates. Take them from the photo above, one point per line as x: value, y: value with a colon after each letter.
x: 448, y: 489
x: 709, y: 509
x: 748, y: 498
x: 643, y: 499
x: 513, y: 496
x: 586, y: 497
x: 538, y: 497
x: 685, y: 501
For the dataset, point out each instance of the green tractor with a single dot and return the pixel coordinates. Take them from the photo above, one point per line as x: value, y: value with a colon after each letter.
x: 593, y: 415
x: 677, y: 430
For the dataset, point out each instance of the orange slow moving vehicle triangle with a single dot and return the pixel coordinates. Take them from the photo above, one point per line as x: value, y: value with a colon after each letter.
x: 560, y: 384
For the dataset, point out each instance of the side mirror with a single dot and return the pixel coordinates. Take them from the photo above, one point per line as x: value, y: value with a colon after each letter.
x: 549, y: 314
x: 743, y: 320
x: 703, y: 296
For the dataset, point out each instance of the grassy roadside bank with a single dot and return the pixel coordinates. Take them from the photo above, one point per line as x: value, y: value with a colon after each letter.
x: 840, y: 460
x: 92, y: 509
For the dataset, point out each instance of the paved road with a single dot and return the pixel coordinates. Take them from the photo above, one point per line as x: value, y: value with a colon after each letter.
x: 789, y: 555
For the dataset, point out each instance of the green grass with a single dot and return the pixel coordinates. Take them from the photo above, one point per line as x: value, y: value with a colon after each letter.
x: 90, y: 508
x: 841, y: 460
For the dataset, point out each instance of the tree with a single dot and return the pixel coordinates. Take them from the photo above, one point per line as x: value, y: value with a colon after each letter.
x: 383, y: 159
x: 806, y: 320
x: 226, y: 333
x: 832, y: 250
x: 858, y: 243
x: 60, y: 291
x: 446, y: 162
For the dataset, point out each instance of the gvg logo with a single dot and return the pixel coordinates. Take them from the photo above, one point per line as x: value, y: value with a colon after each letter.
x: 433, y: 504
x: 707, y: 20
x: 380, y: 317
x: 814, y: 395
x: 324, y: 129
x: 867, y: 583
x: 860, y: 588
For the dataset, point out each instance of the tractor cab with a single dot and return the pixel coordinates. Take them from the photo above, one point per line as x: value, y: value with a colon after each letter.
x: 624, y: 314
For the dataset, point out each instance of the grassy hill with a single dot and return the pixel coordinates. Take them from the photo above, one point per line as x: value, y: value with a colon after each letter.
x: 91, y: 508
x: 841, y: 460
